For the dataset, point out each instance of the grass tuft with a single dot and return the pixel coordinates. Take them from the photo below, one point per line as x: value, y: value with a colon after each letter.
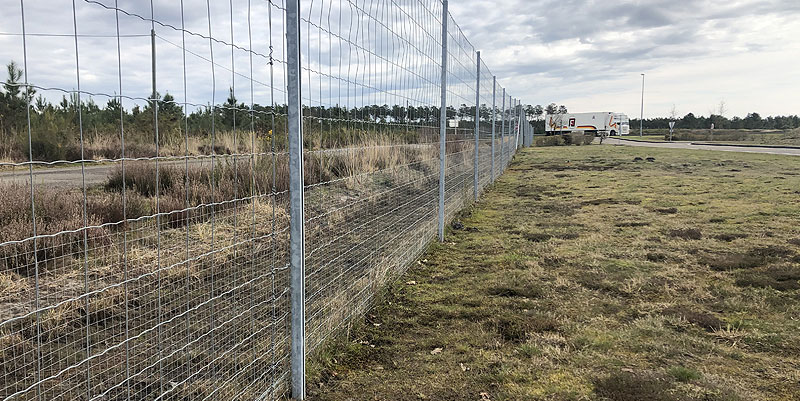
x: 684, y: 374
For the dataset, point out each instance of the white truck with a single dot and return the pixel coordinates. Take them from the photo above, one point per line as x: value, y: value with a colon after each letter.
x: 599, y: 123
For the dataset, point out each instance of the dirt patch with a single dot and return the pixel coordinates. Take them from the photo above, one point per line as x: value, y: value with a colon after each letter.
x: 630, y: 386
x: 780, y: 278
x: 667, y: 210
x: 536, y: 237
x: 753, y: 258
x: 561, y: 208
x: 516, y: 327
x: 603, y: 201
x: 728, y: 237
x: 632, y: 224
x: 696, y: 317
x: 568, y: 236
x: 686, y: 233
x: 576, y: 166
x: 656, y: 256
x: 514, y: 291
x: 597, y: 281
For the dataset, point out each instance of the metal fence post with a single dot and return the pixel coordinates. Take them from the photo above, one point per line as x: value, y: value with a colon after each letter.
x: 477, y: 124
x: 519, y: 126
x: 443, y: 122
x: 511, y: 123
x: 297, y: 230
x: 503, y: 131
x: 494, y: 117
x: 520, y: 118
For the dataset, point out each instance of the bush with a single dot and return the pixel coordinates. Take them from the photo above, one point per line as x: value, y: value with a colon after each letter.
x: 574, y: 138
x: 552, y: 140
x: 56, y: 212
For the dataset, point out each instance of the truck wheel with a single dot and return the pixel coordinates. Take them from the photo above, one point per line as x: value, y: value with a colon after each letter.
x: 612, y: 133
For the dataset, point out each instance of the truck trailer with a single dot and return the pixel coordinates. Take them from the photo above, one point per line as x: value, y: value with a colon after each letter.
x: 600, y: 123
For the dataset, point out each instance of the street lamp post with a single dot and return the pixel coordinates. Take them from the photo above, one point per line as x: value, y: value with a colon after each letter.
x: 641, y: 115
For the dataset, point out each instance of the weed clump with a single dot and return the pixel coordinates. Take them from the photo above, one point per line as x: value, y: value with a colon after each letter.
x: 684, y: 374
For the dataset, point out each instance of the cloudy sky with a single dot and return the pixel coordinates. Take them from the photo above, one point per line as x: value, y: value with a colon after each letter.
x: 587, y: 55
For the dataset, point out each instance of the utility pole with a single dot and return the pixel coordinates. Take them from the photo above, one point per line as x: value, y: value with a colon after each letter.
x: 641, y: 115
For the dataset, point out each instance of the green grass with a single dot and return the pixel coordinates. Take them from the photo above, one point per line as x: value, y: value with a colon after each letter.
x: 583, y: 275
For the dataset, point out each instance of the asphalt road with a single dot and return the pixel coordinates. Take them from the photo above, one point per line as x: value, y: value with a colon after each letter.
x: 688, y: 145
x: 96, y: 174
x: 71, y: 177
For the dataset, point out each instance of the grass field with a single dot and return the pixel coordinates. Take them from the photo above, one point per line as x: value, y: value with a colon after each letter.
x: 585, y: 275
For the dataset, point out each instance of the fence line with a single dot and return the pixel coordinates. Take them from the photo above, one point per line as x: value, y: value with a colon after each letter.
x: 215, y: 189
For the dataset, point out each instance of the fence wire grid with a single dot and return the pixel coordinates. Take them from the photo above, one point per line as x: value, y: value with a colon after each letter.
x: 145, y: 183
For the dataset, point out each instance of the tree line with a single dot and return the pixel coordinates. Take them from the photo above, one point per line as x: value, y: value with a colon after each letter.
x: 55, y: 128
x: 750, y: 121
x: 689, y: 121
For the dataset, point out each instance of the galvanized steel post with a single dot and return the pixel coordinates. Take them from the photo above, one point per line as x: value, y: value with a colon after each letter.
x: 521, y: 124
x: 443, y: 122
x: 477, y: 125
x: 494, y: 116
x: 296, y: 222
x: 503, y: 130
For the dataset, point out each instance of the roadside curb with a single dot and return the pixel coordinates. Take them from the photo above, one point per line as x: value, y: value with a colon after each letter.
x: 746, y: 145
x: 636, y: 140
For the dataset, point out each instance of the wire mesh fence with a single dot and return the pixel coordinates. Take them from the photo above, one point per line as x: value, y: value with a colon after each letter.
x: 145, y: 206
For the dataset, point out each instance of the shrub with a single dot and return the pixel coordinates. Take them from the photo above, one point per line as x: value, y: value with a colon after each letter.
x: 574, y: 138
x: 552, y: 140
x: 57, y: 211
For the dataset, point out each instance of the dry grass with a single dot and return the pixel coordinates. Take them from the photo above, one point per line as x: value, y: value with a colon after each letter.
x: 223, y: 231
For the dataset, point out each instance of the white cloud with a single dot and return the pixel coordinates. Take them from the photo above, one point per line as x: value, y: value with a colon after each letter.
x: 587, y: 54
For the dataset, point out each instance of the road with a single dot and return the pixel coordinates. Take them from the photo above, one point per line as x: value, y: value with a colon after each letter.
x: 96, y: 174
x: 688, y: 145
x: 70, y: 177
